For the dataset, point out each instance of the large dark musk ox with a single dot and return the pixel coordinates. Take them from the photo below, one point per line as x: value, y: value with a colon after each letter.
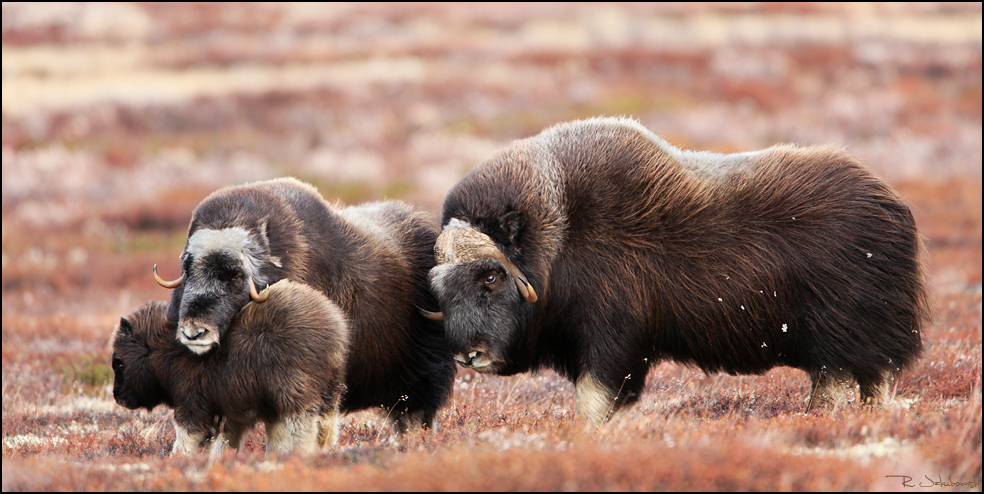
x: 598, y: 249
x: 282, y: 362
x: 372, y: 260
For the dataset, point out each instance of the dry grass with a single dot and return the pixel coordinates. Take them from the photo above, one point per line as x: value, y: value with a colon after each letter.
x: 118, y: 119
x: 690, y: 431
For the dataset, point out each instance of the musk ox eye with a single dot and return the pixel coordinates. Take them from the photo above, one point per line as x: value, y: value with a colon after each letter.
x: 490, y: 278
x: 230, y: 275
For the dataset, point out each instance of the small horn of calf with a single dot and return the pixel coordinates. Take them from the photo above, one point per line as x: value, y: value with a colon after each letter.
x: 258, y: 297
x: 168, y: 284
x: 465, y: 244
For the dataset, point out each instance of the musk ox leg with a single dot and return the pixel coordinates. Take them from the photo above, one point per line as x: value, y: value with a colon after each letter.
x: 597, y: 401
x: 227, y: 434
x: 293, y: 432
x: 231, y: 435
x: 407, y: 421
x: 328, y: 429
x: 330, y: 417
x: 874, y: 390
x: 220, y: 444
x: 186, y: 441
x: 826, y: 392
x: 594, y: 401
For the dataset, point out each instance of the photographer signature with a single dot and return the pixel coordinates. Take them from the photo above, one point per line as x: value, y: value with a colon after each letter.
x: 929, y: 482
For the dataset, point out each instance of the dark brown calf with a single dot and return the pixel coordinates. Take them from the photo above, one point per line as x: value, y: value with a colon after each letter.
x: 282, y: 362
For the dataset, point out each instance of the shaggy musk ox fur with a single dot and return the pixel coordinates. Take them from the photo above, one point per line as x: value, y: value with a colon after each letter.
x: 621, y: 251
x: 372, y: 260
x: 282, y: 362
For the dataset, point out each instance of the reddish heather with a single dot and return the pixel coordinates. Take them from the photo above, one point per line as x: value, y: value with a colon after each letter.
x: 118, y: 119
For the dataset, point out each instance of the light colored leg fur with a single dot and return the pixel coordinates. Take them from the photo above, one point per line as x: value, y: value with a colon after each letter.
x: 593, y: 401
x: 826, y: 391
x: 406, y: 422
x: 328, y: 429
x: 232, y: 434
x: 875, y: 392
x: 220, y: 444
x: 298, y: 432
x: 185, y: 442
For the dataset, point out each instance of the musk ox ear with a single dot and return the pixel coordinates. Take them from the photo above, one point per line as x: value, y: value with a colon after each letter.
x: 261, y: 234
x: 126, y: 327
x: 264, y: 241
x: 512, y: 224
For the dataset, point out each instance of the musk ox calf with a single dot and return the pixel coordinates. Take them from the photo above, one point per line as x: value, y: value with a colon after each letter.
x: 282, y: 362
x: 598, y: 249
x: 372, y: 260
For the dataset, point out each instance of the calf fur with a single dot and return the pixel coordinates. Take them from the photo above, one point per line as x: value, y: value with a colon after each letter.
x: 282, y: 362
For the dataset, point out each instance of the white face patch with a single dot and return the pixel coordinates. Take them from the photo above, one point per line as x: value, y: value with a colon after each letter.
x: 236, y: 242
x: 231, y: 240
x: 437, y: 274
x: 456, y: 223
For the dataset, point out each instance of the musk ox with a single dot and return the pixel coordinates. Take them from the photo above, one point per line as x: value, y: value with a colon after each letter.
x: 282, y: 362
x: 372, y: 260
x: 598, y: 249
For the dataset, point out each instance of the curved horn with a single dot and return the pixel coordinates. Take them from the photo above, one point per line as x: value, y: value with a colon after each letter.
x: 525, y: 288
x: 433, y: 316
x: 463, y: 244
x: 168, y: 284
x: 258, y: 297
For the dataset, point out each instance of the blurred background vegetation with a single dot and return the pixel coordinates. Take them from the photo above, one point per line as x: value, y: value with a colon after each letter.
x: 118, y: 119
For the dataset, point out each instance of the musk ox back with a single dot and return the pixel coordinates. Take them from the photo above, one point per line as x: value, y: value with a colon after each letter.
x: 372, y: 260
x: 282, y: 362
x: 598, y: 249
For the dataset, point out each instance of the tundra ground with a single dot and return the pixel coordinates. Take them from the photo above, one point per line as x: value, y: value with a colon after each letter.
x: 118, y: 119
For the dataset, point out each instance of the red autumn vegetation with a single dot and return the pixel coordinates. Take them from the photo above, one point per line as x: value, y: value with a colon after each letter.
x: 118, y: 119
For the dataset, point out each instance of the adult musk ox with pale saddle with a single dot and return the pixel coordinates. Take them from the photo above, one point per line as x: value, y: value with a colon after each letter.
x: 598, y: 249
x: 372, y: 260
x: 282, y: 362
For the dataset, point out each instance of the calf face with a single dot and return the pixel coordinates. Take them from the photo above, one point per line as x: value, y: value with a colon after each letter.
x: 135, y: 385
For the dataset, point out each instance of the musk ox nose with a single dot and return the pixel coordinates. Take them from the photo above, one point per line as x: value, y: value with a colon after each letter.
x: 198, y: 337
x: 483, y: 360
x: 193, y: 331
x: 125, y: 402
x: 467, y: 360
